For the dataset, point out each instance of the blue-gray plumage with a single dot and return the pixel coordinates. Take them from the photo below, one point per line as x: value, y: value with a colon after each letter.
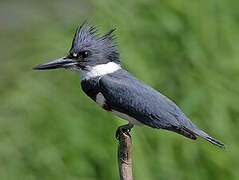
x: 116, y: 90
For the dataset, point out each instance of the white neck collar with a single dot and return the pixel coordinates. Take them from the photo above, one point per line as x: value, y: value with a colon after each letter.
x: 99, y: 70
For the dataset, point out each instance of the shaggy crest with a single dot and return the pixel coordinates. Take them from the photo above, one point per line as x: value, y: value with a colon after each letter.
x: 87, y: 38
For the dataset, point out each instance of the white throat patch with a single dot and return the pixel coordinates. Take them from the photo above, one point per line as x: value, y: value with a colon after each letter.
x: 99, y: 70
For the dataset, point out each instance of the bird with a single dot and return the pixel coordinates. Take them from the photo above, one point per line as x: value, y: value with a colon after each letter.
x: 96, y: 58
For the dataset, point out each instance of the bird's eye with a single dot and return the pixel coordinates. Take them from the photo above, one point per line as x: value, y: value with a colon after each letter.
x: 84, y: 54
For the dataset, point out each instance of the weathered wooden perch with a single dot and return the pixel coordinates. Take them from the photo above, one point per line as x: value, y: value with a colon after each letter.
x: 125, y: 156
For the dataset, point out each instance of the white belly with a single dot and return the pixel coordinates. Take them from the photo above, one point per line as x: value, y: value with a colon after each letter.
x: 126, y: 117
x: 101, y: 101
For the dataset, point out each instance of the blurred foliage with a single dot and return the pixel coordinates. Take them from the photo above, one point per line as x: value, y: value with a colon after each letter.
x: 188, y: 50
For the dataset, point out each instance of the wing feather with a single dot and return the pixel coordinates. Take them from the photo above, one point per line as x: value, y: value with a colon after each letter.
x: 128, y: 95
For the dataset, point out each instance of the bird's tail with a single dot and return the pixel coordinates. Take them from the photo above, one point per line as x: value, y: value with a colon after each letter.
x: 191, y: 131
x: 209, y: 138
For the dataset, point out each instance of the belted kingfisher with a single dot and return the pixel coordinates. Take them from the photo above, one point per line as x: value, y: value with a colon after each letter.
x: 103, y: 79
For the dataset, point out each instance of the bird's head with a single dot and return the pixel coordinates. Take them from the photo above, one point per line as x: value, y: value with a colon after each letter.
x: 88, y: 50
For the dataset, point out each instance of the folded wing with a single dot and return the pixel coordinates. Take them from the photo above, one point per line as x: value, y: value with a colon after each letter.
x: 128, y: 95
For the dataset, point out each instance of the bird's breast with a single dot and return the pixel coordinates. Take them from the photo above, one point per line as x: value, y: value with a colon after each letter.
x: 90, y: 87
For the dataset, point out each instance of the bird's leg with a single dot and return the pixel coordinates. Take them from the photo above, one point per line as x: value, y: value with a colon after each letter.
x: 125, y: 128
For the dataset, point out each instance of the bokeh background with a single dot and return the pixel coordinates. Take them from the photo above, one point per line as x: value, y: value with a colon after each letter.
x: 187, y: 49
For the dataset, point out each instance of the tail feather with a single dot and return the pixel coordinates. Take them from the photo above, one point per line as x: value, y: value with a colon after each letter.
x: 195, y: 130
x: 190, y: 127
x: 191, y: 134
x: 210, y: 139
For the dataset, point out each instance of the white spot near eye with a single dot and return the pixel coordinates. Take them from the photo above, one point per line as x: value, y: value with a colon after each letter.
x: 74, y: 55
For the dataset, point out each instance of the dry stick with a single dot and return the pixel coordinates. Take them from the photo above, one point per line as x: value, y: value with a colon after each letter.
x: 125, y: 156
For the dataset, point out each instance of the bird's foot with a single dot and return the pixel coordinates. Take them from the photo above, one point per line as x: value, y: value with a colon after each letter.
x: 125, y: 129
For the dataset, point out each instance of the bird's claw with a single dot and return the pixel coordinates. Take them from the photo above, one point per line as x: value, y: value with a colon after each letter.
x: 125, y: 129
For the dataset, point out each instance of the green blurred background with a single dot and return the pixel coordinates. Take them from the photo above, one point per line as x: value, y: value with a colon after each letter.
x: 49, y: 129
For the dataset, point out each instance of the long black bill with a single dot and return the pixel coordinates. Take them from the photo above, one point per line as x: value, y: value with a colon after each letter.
x: 58, y: 63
